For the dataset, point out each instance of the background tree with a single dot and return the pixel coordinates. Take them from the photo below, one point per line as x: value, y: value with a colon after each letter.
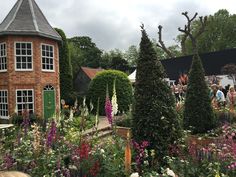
x: 106, y: 60
x: 161, y: 54
x: 230, y: 70
x: 131, y: 55
x: 97, y: 89
x: 84, y: 53
x: 115, y: 59
x: 198, y: 113
x: 188, y: 33
x: 154, y: 115
x: 219, y: 34
x: 65, y: 67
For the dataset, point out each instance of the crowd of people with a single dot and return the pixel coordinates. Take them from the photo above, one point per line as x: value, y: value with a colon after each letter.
x: 179, y: 91
x: 220, y: 97
x: 223, y: 97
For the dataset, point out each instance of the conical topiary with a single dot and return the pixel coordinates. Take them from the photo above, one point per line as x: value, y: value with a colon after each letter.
x: 154, y: 115
x: 198, y: 112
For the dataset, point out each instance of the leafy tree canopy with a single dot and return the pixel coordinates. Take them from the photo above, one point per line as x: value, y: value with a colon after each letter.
x: 219, y: 34
x: 84, y: 52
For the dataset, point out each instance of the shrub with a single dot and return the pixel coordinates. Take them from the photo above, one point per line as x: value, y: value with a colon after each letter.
x: 97, y: 89
x: 154, y: 115
x: 66, y: 86
x: 198, y: 112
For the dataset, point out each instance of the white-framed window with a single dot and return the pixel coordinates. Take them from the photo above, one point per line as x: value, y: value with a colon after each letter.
x: 23, y: 56
x: 25, y: 100
x: 47, y: 53
x: 3, y: 104
x: 3, y: 57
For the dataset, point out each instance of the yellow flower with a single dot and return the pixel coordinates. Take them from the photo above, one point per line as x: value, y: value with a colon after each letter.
x: 217, y: 174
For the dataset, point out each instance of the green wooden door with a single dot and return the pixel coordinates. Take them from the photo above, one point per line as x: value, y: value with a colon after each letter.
x: 49, y: 103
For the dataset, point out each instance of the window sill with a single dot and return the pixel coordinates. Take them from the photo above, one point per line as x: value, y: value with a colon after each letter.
x: 24, y: 70
x: 5, y: 118
x: 3, y: 71
x: 48, y: 71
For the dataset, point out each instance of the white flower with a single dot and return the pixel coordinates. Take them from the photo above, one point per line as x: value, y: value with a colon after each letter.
x: 170, y: 172
x: 114, y: 100
x: 134, y: 175
x: 102, y: 151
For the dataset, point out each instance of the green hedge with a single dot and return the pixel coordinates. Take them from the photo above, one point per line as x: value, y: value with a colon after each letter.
x: 97, y: 89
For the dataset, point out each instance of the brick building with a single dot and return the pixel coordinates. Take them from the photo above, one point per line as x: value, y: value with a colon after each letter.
x: 83, y: 79
x: 29, y: 62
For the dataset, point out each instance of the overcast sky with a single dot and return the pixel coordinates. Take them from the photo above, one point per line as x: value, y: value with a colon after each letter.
x: 115, y: 23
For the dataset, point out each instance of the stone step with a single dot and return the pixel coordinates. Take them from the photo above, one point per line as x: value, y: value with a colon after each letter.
x: 101, y: 133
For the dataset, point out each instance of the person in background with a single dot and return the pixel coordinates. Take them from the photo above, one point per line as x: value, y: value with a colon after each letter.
x: 176, y: 93
x: 217, y: 96
x: 231, y: 98
x: 223, y: 90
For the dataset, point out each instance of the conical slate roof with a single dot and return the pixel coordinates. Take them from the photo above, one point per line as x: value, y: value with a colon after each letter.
x: 26, y: 18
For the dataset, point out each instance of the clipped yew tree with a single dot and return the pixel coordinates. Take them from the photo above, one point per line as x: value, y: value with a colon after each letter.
x: 198, y: 112
x: 97, y: 89
x: 66, y: 85
x: 154, y: 115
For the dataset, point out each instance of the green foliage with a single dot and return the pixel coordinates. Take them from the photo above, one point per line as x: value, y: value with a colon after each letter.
x: 84, y: 52
x: 115, y: 59
x: 161, y: 54
x: 65, y: 67
x: 118, y: 63
x: 198, y: 112
x: 219, y: 33
x: 154, y: 116
x: 97, y: 89
x: 113, y: 161
x: 125, y: 120
x: 131, y: 55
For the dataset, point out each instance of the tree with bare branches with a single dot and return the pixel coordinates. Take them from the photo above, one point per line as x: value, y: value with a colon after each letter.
x: 187, y: 33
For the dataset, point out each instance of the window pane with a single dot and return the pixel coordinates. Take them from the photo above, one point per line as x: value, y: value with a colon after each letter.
x: 29, y: 65
x: 30, y: 106
x: 17, y: 52
x: 19, y: 99
x: 23, y: 65
x: 24, y: 59
x: 30, y: 93
x: 23, y: 52
x: 29, y: 59
x: 23, y: 45
x: 28, y: 52
x: 17, y: 45
x: 18, y: 66
x: 28, y: 46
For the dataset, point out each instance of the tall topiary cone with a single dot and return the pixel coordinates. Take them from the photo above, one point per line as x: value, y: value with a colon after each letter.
x: 154, y: 115
x: 66, y: 84
x: 198, y: 112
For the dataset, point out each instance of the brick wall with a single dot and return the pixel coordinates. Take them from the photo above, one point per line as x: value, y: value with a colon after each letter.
x: 36, y: 79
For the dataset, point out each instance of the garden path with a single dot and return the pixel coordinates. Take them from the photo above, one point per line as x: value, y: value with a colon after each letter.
x: 103, y: 128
